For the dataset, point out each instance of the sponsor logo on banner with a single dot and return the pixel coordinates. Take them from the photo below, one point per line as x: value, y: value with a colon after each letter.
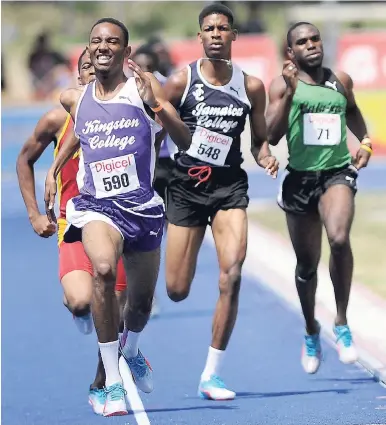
x: 363, y: 57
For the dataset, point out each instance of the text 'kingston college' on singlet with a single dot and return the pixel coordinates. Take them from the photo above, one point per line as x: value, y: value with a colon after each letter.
x: 117, y: 142
x: 215, y: 116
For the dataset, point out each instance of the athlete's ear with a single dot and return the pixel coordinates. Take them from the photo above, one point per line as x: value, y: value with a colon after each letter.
x: 79, y: 80
x: 127, y: 52
x: 199, y: 36
x: 290, y: 53
x: 235, y: 33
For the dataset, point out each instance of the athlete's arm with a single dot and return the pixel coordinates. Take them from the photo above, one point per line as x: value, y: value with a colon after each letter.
x: 279, y: 105
x: 69, y: 99
x: 171, y: 121
x: 175, y: 86
x: 66, y: 152
x: 259, y: 144
x: 45, y: 132
x: 354, y: 117
x: 355, y: 122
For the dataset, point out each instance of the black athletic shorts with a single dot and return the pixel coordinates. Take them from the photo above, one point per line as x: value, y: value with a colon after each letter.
x: 300, y: 191
x: 191, y: 203
x: 163, y: 174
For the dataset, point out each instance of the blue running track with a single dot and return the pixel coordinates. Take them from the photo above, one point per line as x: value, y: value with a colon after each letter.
x: 47, y: 365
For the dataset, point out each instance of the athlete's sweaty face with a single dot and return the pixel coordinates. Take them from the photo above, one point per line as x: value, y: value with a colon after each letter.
x: 87, y: 71
x: 217, y: 36
x: 107, y: 47
x: 307, y: 47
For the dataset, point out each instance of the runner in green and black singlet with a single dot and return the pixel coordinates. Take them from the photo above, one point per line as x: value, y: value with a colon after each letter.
x: 317, y: 136
x: 311, y: 105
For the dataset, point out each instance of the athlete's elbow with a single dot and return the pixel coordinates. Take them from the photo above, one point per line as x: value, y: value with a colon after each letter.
x: 22, y: 162
x: 184, y: 140
x: 272, y: 138
x: 273, y: 141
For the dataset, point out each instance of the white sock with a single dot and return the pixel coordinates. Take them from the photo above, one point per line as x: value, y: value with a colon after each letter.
x: 109, y: 353
x: 213, y: 363
x: 131, y: 345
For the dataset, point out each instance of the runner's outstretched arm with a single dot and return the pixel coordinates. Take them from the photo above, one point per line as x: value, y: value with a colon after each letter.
x: 44, y: 134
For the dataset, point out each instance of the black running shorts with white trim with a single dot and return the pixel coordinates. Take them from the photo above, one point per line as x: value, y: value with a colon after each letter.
x: 300, y: 191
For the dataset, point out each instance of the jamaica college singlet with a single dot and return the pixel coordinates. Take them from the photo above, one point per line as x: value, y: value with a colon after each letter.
x: 216, y: 118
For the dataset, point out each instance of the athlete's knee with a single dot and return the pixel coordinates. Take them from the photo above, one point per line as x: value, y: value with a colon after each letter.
x: 177, y: 292
x: 140, y: 306
x: 79, y: 305
x: 305, y: 272
x: 105, y: 273
x: 339, y: 240
x: 178, y: 285
x: 80, y: 308
x: 230, y: 281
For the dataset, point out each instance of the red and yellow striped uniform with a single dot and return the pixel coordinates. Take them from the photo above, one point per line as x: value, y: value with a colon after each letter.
x: 66, y: 182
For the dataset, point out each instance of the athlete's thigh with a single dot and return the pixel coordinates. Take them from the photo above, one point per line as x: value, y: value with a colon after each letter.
x: 230, y: 232
x: 182, y: 247
x: 337, y: 208
x: 142, y: 268
x: 75, y: 272
x: 102, y: 243
x: 305, y: 231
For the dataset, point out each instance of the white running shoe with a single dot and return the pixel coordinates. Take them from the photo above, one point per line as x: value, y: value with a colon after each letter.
x: 97, y: 400
x: 311, y: 353
x: 115, y: 404
x: 215, y: 389
x: 346, y: 348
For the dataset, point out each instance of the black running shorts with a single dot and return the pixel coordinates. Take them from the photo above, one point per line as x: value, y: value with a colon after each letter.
x: 300, y: 191
x: 163, y: 174
x: 193, y: 203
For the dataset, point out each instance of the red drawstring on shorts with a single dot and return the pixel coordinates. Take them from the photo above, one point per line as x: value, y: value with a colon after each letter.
x: 198, y: 172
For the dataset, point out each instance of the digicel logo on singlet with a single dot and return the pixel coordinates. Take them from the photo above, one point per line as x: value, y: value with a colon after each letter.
x: 113, y: 164
x: 212, y: 137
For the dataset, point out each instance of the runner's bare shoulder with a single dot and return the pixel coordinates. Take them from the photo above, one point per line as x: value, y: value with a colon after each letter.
x: 175, y: 86
x: 70, y: 97
x: 277, y: 88
x: 253, y: 85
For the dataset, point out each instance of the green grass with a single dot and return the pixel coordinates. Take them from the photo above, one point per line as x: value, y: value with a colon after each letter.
x: 368, y: 238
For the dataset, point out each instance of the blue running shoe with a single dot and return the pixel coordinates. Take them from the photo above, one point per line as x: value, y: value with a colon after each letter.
x: 97, y: 400
x: 346, y: 348
x: 311, y: 352
x: 215, y: 389
x: 140, y: 369
x: 115, y: 404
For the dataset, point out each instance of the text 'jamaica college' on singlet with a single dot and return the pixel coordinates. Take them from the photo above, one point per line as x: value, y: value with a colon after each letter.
x: 215, y: 116
x: 317, y: 135
x: 117, y: 142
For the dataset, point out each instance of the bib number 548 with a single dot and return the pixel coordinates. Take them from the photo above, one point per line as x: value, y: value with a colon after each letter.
x: 210, y: 152
x: 116, y: 182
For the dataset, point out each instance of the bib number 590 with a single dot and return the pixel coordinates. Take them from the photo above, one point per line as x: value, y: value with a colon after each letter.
x: 116, y: 182
x: 210, y: 152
